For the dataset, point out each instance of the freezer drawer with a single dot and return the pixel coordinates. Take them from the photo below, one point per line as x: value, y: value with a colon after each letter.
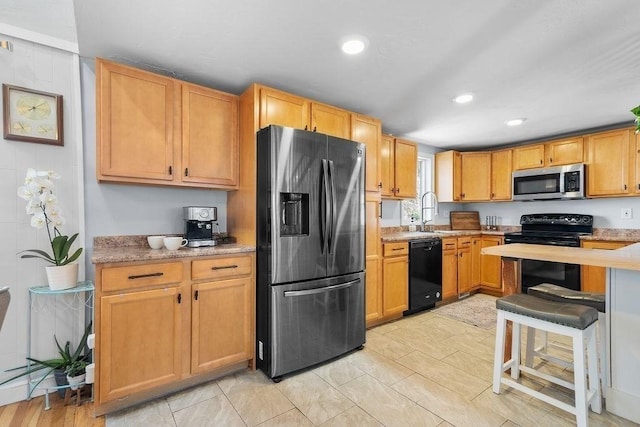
x: 315, y: 321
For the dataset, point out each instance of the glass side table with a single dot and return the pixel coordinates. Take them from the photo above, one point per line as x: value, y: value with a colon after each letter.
x: 82, y: 298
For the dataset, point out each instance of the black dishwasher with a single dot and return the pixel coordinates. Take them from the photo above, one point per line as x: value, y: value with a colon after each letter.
x: 425, y: 274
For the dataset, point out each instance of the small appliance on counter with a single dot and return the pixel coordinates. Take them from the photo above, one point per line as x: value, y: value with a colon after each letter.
x: 199, y: 222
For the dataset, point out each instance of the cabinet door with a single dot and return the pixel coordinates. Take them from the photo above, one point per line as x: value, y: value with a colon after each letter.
x: 635, y: 142
x: 373, y: 256
x: 491, y: 266
x: 140, y: 342
x: 387, y: 161
x: 405, y: 169
x: 449, y: 269
x: 565, y: 152
x: 476, y: 176
x: 135, y: 128
x: 448, y: 176
x: 594, y: 279
x: 330, y: 120
x: 209, y: 137
x: 396, y: 285
x: 608, y: 163
x: 221, y: 323
x: 501, y: 169
x: 464, y: 264
x: 528, y: 157
x: 283, y: 109
x: 476, y: 259
x: 368, y: 131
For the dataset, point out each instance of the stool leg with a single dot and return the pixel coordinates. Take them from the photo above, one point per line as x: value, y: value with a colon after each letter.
x: 531, y: 346
x: 498, y: 354
x: 515, y: 350
x: 602, y: 349
x: 580, y: 380
x: 594, y: 378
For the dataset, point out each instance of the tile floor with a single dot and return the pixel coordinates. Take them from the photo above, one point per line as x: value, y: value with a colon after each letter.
x: 422, y: 370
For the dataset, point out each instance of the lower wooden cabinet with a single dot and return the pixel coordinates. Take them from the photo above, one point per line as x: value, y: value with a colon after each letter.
x: 449, y: 268
x: 140, y: 341
x: 395, y: 279
x: 465, y: 264
x: 162, y: 324
x: 491, y: 266
x: 594, y: 279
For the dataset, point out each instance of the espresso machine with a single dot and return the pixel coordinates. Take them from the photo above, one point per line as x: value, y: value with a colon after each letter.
x: 199, y: 222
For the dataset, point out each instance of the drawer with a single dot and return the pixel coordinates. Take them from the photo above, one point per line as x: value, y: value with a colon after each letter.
x: 464, y: 242
x: 449, y: 244
x: 396, y: 249
x: 221, y: 268
x: 139, y: 276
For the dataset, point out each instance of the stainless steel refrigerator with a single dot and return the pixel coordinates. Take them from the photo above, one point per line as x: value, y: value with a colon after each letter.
x: 310, y: 249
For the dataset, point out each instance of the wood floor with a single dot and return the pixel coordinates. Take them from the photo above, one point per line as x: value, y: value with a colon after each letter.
x: 32, y: 413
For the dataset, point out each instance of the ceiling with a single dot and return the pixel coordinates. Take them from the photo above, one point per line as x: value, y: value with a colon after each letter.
x: 566, y: 66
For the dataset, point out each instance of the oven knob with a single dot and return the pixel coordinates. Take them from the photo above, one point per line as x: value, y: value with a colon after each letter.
x: 437, y: 294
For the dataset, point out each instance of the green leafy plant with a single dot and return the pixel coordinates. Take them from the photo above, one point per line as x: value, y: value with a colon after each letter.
x: 42, y: 205
x: 68, y: 360
x: 636, y: 112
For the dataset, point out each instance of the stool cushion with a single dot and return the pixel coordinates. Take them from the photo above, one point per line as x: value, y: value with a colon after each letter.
x: 572, y: 315
x: 560, y: 294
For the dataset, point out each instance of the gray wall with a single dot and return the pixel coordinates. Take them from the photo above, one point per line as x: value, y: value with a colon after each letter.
x: 118, y: 209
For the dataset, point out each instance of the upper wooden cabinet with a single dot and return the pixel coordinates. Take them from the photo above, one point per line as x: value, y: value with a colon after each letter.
x: 398, y: 168
x: 448, y: 176
x: 157, y: 130
x: 528, y: 157
x: 501, y: 169
x: 564, y: 152
x: 284, y: 109
x: 476, y: 176
x: 635, y: 141
x: 610, y: 163
x: 368, y: 131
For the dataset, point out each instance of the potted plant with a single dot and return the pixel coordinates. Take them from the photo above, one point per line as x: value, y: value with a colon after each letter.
x: 42, y: 205
x: 636, y: 112
x: 76, y: 373
x: 68, y: 361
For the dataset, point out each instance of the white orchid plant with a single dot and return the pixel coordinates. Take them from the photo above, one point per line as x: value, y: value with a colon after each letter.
x: 636, y: 112
x: 42, y: 205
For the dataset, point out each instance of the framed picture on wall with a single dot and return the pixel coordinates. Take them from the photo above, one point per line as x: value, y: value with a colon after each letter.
x: 32, y: 116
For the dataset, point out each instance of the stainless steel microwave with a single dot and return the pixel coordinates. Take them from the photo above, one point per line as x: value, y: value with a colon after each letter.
x: 559, y: 182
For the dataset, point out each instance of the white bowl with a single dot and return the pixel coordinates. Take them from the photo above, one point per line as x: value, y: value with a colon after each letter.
x: 155, y: 242
x: 173, y: 243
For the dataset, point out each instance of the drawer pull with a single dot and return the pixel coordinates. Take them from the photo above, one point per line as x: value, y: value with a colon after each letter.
x: 142, y: 276
x: 224, y: 267
x: 397, y: 249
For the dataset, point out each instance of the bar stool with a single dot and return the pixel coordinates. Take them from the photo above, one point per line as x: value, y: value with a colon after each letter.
x: 557, y: 293
x: 573, y: 320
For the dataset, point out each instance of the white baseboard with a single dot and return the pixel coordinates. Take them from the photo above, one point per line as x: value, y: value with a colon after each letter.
x: 17, y: 391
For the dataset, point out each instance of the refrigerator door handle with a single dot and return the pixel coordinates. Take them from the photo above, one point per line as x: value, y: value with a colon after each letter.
x: 321, y: 290
x: 324, y: 205
x: 333, y: 205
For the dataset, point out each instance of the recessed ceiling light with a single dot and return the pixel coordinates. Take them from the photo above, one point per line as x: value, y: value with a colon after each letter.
x: 514, y: 122
x: 353, y: 45
x: 463, y: 99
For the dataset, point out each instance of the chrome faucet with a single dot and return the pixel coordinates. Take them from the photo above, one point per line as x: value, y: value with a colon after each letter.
x: 434, y: 207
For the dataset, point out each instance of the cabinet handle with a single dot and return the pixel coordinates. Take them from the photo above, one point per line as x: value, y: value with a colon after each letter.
x: 550, y: 160
x: 142, y: 276
x: 195, y: 296
x: 397, y: 191
x: 224, y: 267
x: 541, y: 162
x: 638, y: 186
x: 625, y: 186
x: 380, y: 185
x: 462, y: 195
x: 170, y: 170
x: 179, y: 298
x: 380, y: 207
x: 314, y: 128
x: 186, y: 171
x: 306, y: 127
x: 397, y: 249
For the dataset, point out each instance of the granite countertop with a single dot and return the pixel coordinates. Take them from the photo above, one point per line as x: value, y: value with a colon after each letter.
x: 614, y: 234
x: 135, y: 248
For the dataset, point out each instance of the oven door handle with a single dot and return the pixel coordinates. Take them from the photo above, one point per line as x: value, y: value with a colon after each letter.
x: 321, y: 290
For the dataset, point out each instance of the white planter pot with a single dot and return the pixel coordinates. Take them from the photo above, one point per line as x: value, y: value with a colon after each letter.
x: 63, y: 276
x: 74, y: 382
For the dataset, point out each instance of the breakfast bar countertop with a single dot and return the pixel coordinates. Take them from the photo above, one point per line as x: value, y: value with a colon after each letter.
x: 627, y: 258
